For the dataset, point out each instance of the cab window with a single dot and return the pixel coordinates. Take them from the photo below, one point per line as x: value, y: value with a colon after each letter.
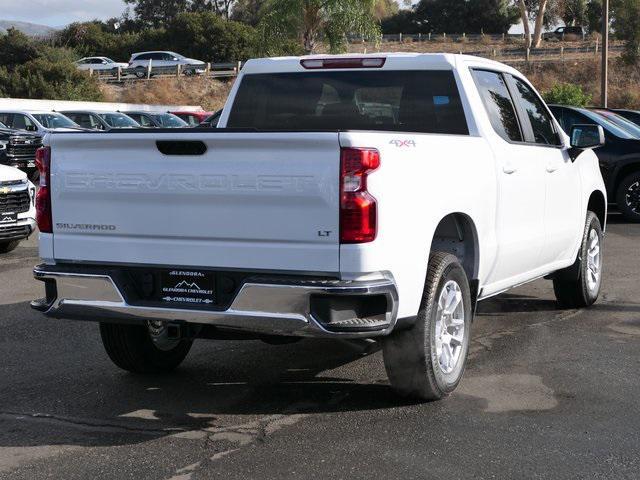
x: 544, y: 132
x: 498, y: 104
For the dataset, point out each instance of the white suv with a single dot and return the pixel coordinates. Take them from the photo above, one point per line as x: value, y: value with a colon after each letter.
x: 17, y: 207
x: 141, y: 61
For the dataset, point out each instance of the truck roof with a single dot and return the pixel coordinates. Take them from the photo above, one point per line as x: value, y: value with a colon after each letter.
x: 393, y: 61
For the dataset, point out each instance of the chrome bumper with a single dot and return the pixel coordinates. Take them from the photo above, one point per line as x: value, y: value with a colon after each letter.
x: 262, y: 308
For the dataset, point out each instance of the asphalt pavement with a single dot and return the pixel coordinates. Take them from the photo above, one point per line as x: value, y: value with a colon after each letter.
x: 548, y: 394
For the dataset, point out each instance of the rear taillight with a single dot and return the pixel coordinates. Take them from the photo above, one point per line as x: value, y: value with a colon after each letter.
x: 358, y: 208
x: 43, y: 197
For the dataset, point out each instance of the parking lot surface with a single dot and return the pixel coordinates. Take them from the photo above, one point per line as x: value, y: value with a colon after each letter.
x: 548, y: 393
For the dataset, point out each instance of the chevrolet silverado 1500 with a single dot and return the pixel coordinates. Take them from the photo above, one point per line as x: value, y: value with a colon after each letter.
x: 375, y: 196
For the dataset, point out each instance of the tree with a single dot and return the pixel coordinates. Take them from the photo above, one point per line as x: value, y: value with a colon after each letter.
x: 543, y: 12
x: 219, y: 7
x: 16, y: 48
x: 454, y: 16
x: 247, y: 11
x: 209, y: 37
x: 626, y: 25
x: 574, y: 12
x: 156, y: 13
x: 306, y: 20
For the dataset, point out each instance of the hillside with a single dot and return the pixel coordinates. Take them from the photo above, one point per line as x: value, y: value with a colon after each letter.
x: 31, y: 29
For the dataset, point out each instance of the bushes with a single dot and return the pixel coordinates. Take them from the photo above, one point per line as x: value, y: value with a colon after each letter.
x: 32, y: 70
x: 204, y: 36
x: 567, y: 94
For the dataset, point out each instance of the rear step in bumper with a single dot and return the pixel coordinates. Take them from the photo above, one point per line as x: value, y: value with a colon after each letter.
x: 264, y: 308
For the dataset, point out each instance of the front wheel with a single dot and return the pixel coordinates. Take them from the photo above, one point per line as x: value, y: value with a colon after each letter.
x: 143, y: 348
x: 427, y: 361
x: 140, y: 72
x: 6, y: 247
x: 628, y: 197
x: 579, y: 285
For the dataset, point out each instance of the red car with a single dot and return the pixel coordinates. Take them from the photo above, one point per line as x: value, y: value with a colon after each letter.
x: 193, y: 118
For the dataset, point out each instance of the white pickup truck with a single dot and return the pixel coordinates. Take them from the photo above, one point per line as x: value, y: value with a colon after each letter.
x: 376, y: 196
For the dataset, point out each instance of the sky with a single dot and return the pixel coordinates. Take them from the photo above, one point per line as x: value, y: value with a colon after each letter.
x: 56, y: 13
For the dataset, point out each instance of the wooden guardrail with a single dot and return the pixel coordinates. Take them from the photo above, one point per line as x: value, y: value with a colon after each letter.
x: 215, y: 70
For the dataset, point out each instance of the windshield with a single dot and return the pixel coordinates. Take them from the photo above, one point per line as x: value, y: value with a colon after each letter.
x: 119, y: 120
x: 608, y: 125
x: 620, y: 121
x: 54, y: 120
x: 169, y: 120
x: 410, y: 101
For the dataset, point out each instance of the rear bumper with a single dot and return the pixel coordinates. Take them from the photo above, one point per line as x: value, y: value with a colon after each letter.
x: 291, y: 308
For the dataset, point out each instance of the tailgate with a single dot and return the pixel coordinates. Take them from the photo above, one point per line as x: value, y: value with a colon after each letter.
x: 255, y: 201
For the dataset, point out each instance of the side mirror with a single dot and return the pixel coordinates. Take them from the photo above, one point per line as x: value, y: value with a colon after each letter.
x: 31, y: 128
x: 584, y: 137
x: 587, y: 136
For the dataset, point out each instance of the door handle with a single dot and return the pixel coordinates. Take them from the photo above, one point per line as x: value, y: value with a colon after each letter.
x: 509, y: 169
x: 551, y: 168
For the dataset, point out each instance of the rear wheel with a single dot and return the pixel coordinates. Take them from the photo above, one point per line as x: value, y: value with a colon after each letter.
x: 579, y: 285
x: 6, y: 247
x: 628, y: 197
x: 427, y: 361
x: 143, y: 349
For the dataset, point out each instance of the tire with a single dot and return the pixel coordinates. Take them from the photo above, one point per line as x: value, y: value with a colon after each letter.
x: 6, y: 247
x: 140, y: 72
x: 412, y: 357
x: 628, y: 197
x: 131, y: 348
x: 579, y: 285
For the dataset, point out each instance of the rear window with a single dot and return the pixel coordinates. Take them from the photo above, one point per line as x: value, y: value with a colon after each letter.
x: 408, y: 101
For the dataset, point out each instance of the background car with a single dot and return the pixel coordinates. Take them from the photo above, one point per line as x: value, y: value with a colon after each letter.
x: 193, y: 118
x: 18, y: 149
x: 619, y: 157
x: 159, y: 59
x: 157, y: 119
x: 566, y: 33
x: 211, y: 121
x: 101, y: 120
x: 618, y: 120
x: 631, y: 115
x: 100, y: 63
x: 37, y: 121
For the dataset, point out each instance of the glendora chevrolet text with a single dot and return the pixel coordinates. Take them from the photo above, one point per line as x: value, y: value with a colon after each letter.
x: 375, y: 196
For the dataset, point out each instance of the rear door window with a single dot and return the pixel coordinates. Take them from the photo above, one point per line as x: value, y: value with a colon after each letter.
x: 385, y: 100
x: 498, y: 104
x: 544, y: 133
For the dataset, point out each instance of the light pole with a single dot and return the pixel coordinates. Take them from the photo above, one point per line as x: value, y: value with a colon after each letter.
x: 605, y: 53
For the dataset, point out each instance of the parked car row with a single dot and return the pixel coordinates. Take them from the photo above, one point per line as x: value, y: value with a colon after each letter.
x: 140, y: 62
x: 21, y: 135
x: 619, y: 157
